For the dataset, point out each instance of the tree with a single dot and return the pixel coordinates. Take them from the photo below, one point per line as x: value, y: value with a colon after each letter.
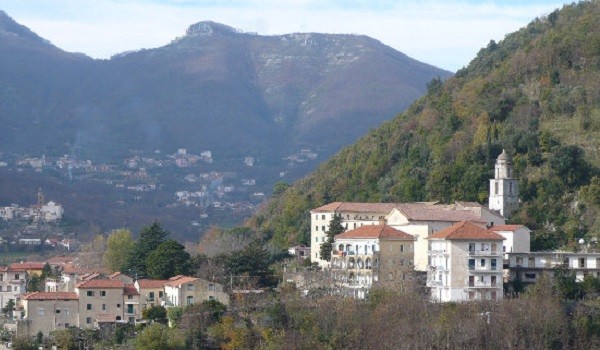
x: 119, y: 247
x: 90, y: 256
x: 150, y: 238
x: 335, y: 228
x: 159, y: 337
x: 155, y: 313
x: 167, y: 260
x: 9, y: 308
x: 47, y: 271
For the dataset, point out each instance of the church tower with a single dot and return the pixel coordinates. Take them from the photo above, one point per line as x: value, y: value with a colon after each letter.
x: 504, y: 189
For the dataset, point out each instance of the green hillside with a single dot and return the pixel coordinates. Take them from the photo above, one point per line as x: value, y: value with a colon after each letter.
x: 536, y: 94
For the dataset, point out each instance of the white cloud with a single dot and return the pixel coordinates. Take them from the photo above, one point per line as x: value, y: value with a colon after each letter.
x: 444, y: 33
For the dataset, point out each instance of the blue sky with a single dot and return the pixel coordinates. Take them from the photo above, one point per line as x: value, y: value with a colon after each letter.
x: 445, y: 33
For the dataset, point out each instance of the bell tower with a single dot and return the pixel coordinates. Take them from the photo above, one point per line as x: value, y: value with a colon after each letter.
x: 40, y: 196
x: 504, y: 189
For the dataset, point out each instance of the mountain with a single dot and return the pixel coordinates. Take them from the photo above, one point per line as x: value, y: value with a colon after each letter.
x: 535, y: 94
x: 213, y: 88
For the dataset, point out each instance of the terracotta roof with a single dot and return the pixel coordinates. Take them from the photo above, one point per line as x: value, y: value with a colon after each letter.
x: 420, y: 211
x: 376, y: 231
x: 176, y: 277
x: 505, y: 228
x: 51, y: 296
x: 27, y: 266
x: 130, y: 290
x: 466, y: 230
x: 180, y: 281
x: 115, y: 274
x: 151, y: 284
x: 101, y: 283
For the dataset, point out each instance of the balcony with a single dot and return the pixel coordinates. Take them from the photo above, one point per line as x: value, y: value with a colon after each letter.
x: 483, y: 285
x: 431, y: 283
x: 484, y: 253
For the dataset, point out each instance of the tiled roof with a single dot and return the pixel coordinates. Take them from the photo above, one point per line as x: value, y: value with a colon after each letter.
x: 420, y: 211
x: 466, y: 230
x: 130, y: 290
x: 376, y: 231
x: 51, y: 296
x: 115, y: 274
x: 101, y: 283
x: 505, y: 228
x: 27, y: 266
x: 180, y: 281
x: 151, y: 284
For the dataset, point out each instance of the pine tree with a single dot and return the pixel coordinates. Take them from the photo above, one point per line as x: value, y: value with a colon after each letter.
x: 335, y: 228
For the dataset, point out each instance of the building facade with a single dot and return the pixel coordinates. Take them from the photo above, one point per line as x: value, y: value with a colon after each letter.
x: 46, y: 312
x: 529, y: 267
x: 373, y: 255
x: 13, y: 283
x: 465, y: 263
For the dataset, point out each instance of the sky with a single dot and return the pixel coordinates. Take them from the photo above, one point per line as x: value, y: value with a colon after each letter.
x: 444, y: 33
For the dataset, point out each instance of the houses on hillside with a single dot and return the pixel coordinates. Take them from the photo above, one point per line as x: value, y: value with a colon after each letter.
x: 88, y: 299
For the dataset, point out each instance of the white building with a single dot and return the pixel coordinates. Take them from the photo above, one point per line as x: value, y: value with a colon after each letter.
x: 52, y: 211
x: 529, y: 267
x: 504, y: 188
x: 417, y: 219
x: 517, y: 238
x: 465, y: 264
x: 12, y: 284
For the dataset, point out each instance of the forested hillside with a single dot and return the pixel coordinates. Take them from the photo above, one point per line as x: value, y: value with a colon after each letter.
x: 536, y: 94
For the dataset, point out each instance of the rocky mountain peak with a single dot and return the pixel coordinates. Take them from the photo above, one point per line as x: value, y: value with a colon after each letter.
x: 208, y: 28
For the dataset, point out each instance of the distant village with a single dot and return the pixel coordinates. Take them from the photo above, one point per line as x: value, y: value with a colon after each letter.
x: 193, y: 180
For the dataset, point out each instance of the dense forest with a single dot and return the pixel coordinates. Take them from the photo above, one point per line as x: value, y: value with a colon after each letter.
x: 535, y: 94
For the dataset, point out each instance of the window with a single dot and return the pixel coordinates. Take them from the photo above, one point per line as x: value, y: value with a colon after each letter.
x: 102, y: 293
x: 190, y: 287
x: 16, y: 276
x: 401, y: 247
x: 88, y: 307
x: 40, y: 312
x: 471, y: 247
x: 317, y: 238
x: 581, y: 262
x: 317, y: 229
x: 103, y: 306
x: 160, y: 294
x: 322, y: 217
x: 211, y: 297
x: 129, y: 308
x: 9, y: 288
x: 90, y: 293
x: 189, y: 300
x: 129, y: 297
x: 323, y: 228
x: 493, y: 280
x: 1, y: 277
x: 530, y: 276
x: 88, y: 320
x: 118, y: 306
x: 482, y: 263
x: 495, y: 188
x: 519, y: 261
x: 531, y: 262
x: 493, y: 264
x: 211, y: 286
x: 471, y: 264
x: 67, y: 312
x: 151, y: 296
x: 566, y: 261
x: 67, y: 325
x: 57, y: 311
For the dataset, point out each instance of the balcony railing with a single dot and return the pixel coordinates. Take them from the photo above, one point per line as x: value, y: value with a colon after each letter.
x: 483, y: 285
x: 484, y: 252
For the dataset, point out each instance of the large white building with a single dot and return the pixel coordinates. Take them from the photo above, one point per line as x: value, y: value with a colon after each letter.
x: 13, y: 283
x: 418, y: 219
x: 517, y: 238
x: 529, y: 267
x: 465, y: 263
